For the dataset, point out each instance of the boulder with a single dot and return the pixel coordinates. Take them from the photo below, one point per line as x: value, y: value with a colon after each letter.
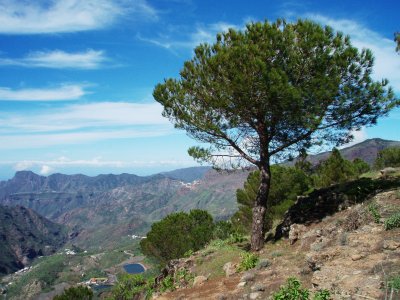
x: 229, y: 269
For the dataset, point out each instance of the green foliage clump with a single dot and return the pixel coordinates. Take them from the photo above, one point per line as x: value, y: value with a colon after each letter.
x: 394, y: 283
x: 249, y: 261
x: 286, y: 184
x: 393, y: 221
x: 223, y: 230
x: 389, y: 157
x: 322, y: 295
x: 334, y: 170
x: 360, y: 166
x: 74, y: 293
x: 293, y: 291
x: 167, y: 284
x: 178, y: 233
x: 128, y: 286
x: 373, y: 209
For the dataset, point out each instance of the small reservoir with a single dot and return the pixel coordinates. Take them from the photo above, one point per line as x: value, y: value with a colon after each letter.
x: 134, y: 268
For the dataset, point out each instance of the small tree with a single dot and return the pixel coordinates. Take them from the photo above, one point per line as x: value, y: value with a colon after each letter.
x: 269, y: 91
x: 360, y: 166
x: 389, y: 157
x: 397, y: 40
x: 334, y: 170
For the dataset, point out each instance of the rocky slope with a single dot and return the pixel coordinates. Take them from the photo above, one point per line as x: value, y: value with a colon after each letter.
x: 345, y: 251
x: 25, y: 235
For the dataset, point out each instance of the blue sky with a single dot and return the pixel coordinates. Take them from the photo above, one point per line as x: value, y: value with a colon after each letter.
x: 77, y: 76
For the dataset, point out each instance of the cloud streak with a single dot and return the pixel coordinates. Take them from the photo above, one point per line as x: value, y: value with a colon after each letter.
x: 58, y: 59
x: 59, y: 16
x: 62, y: 93
x: 85, y: 116
x: 62, y: 162
x: 202, y: 34
x: 82, y: 123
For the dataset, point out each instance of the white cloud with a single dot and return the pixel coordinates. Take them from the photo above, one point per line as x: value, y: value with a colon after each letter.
x: 58, y: 59
x: 202, y: 34
x: 45, y: 170
x: 64, y: 92
x: 55, y: 16
x: 27, y: 141
x: 359, y: 136
x: 85, y: 123
x: 48, y: 166
x: 387, y: 62
x: 85, y: 116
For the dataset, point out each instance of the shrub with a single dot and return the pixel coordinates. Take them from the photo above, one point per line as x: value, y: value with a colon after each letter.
x: 394, y: 283
x: 167, y: 284
x: 393, y: 221
x: 128, y: 286
x: 249, y: 261
x: 223, y: 230
x: 322, y: 295
x: 73, y: 293
x: 293, y: 291
x: 373, y: 209
x: 177, y: 234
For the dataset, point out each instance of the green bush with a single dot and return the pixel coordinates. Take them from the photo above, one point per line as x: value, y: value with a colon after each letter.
x: 74, y: 293
x: 373, y: 209
x: 293, y: 291
x: 167, y: 284
x: 128, y: 286
x: 394, y: 283
x: 389, y: 157
x: 177, y: 234
x: 249, y: 261
x: 223, y: 230
x: 393, y: 221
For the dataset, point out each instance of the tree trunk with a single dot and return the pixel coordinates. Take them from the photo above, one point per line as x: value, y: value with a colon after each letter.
x: 260, y: 209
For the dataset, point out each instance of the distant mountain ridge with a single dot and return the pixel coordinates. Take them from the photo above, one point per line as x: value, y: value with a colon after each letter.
x: 366, y: 150
x: 103, y: 209
x: 25, y: 235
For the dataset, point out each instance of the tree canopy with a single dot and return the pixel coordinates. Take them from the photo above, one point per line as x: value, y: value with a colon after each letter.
x: 271, y: 90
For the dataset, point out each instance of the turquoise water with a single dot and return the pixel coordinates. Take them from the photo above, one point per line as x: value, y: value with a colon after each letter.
x: 134, y: 268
